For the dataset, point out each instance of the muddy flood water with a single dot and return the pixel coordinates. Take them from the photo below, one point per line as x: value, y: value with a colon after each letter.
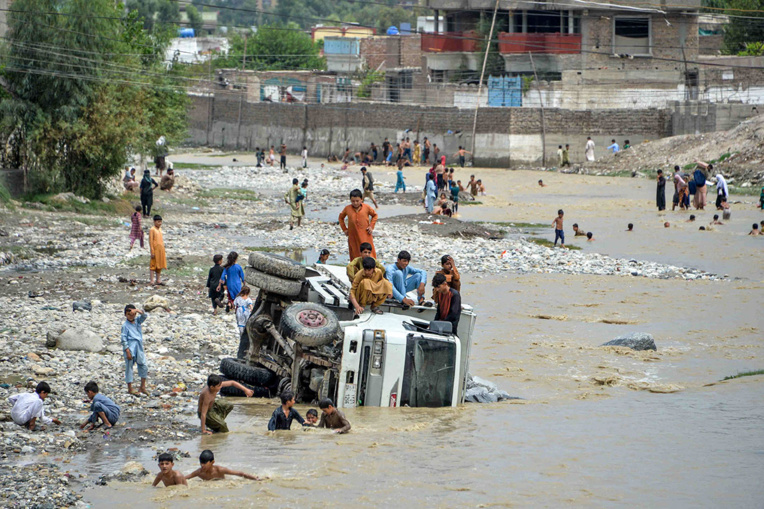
x: 596, y: 427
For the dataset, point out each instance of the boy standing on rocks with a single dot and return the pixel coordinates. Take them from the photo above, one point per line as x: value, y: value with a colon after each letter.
x: 212, y: 412
x: 158, y: 256
x: 132, y: 345
x: 559, y: 233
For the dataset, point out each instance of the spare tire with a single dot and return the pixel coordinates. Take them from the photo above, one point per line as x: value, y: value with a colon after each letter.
x: 240, y: 371
x: 233, y: 392
x: 276, y: 265
x: 310, y: 324
x: 272, y: 284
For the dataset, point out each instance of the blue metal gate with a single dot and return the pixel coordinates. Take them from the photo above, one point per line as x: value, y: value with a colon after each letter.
x: 504, y: 91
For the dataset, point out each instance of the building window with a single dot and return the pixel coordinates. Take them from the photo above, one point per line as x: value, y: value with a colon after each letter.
x: 631, y: 36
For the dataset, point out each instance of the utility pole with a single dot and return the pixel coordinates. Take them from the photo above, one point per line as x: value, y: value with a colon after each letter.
x: 482, y: 75
x: 244, y: 56
x: 543, y: 120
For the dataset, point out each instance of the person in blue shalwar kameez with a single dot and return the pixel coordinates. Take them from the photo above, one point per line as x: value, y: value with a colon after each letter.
x: 232, y: 278
x: 132, y: 345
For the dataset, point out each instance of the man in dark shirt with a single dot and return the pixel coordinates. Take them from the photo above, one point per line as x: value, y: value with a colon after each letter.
x: 284, y: 415
x: 332, y: 418
x: 448, y: 300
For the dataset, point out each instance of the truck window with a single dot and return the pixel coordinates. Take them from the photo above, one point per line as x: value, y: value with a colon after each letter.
x: 428, y: 376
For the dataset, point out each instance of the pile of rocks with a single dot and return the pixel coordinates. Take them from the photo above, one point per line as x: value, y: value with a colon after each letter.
x: 37, y: 486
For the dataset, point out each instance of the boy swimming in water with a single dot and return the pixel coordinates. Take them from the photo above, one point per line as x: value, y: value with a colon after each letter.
x: 208, y: 471
x: 166, y: 473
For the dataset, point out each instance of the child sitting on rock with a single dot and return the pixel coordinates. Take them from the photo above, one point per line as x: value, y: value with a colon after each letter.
x: 102, y: 408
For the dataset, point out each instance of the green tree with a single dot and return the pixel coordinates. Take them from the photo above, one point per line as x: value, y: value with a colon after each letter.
x: 273, y: 48
x: 746, y: 29
x: 86, y: 87
x: 194, y: 19
x: 146, y: 10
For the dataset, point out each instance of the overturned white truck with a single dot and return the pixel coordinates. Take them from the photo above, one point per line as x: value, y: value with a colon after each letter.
x: 303, y: 336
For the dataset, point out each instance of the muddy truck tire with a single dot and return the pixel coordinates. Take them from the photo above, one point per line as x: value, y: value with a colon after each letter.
x: 272, y: 284
x: 276, y: 265
x: 234, y: 369
x: 309, y: 324
x: 233, y: 392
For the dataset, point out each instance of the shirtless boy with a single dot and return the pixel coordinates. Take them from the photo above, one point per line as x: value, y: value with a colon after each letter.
x: 559, y: 234
x: 208, y: 471
x: 212, y: 412
x: 166, y: 474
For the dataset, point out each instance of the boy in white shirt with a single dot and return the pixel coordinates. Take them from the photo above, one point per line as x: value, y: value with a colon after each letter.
x: 28, y: 407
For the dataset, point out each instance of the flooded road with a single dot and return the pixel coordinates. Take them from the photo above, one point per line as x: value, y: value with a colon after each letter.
x: 597, y: 427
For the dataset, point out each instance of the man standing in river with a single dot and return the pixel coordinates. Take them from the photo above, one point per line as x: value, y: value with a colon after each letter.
x: 361, y: 220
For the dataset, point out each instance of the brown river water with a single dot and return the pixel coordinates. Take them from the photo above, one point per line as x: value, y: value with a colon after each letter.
x: 597, y: 427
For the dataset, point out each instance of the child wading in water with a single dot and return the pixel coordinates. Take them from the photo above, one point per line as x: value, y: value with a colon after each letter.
x: 559, y: 233
x: 136, y: 232
x: 158, y: 257
x: 166, y: 473
x: 208, y: 471
x: 212, y: 412
x: 132, y: 345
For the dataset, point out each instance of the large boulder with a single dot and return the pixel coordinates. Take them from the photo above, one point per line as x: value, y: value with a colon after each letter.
x: 154, y: 302
x: 81, y: 305
x: 80, y: 340
x: 635, y: 341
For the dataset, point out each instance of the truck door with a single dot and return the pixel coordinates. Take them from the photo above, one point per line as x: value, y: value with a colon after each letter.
x: 371, y: 368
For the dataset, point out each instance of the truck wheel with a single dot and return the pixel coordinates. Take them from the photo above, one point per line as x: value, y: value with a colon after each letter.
x: 276, y: 265
x: 233, y: 392
x: 242, y: 372
x: 272, y: 284
x: 309, y: 324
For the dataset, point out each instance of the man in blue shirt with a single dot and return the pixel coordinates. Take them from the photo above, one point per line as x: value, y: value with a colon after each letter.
x: 405, y: 279
x: 614, y: 147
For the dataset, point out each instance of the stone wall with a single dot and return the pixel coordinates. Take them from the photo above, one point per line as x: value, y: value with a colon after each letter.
x: 503, y: 135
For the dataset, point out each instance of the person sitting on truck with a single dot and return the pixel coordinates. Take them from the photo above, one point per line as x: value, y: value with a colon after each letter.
x: 284, y: 415
x: 449, y: 302
x: 332, y: 418
x: 405, y: 279
x: 355, y: 266
x: 370, y: 288
x: 449, y: 270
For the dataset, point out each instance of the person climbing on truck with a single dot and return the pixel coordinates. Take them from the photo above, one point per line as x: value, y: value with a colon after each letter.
x: 370, y: 288
x: 405, y: 279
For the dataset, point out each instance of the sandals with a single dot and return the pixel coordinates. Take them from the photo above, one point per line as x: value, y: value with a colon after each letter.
x: 376, y: 311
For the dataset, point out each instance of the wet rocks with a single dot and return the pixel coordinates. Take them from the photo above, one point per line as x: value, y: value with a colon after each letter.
x: 39, y: 486
x: 635, y: 341
x: 79, y: 340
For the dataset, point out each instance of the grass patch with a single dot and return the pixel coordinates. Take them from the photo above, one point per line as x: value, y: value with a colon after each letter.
x: 748, y: 191
x: 114, y: 207
x: 549, y: 243
x: 194, y: 166
x: 230, y: 194
x: 516, y: 224
x: 190, y: 201
x: 5, y: 194
x: 689, y: 166
x: 744, y: 373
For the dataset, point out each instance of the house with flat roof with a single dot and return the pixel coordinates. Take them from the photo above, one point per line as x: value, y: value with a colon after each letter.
x: 562, y: 36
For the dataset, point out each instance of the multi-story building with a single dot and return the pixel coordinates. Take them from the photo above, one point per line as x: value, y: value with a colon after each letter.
x: 563, y: 35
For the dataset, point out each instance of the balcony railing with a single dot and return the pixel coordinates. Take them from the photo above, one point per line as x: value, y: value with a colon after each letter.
x: 555, y: 43
x: 450, y: 42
